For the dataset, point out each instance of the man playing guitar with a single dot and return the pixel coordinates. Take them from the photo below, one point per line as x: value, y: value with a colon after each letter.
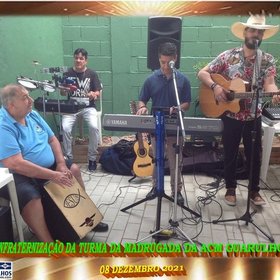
x: 248, y: 63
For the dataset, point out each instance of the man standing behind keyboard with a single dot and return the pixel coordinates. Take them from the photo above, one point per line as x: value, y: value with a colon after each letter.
x: 159, y: 88
x: 88, y: 90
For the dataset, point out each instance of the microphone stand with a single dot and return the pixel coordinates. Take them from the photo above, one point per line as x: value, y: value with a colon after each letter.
x: 44, y: 103
x: 174, y: 224
x: 159, y: 129
x: 247, y: 216
x: 57, y: 79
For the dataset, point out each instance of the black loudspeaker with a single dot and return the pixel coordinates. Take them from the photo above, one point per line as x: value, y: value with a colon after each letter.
x: 161, y: 30
x: 6, y: 229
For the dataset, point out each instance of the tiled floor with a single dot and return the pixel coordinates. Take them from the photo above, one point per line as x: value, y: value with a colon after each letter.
x: 111, y: 193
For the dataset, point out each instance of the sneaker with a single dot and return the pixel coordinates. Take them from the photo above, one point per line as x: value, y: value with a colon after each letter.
x: 101, y: 227
x: 256, y: 199
x: 230, y: 197
x: 180, y: 199
x: 92, y: 165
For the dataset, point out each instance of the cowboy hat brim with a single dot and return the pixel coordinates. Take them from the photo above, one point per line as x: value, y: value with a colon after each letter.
x: 238, y: 29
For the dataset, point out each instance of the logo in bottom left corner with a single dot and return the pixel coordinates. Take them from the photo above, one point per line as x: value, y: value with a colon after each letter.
x: 6, y: 270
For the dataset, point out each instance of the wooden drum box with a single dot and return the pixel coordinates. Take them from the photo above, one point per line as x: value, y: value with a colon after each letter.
x: 70, y: 213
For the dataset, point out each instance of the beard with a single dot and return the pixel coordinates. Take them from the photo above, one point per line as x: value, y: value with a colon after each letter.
x: 253, y: 43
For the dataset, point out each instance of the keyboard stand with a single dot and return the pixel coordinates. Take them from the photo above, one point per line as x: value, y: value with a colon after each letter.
x: 159, y: 121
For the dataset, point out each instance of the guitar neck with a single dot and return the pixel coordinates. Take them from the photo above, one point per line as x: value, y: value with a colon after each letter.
x: 139, y: 137
x: 237, y: 87
x: 140, y: 140
x: 244, y: 95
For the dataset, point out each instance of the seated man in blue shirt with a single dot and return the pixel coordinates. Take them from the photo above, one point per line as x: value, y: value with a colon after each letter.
x: 29, y: 148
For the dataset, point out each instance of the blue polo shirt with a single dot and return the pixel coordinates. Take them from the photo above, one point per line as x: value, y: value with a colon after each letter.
x: 162, y: 92
x: 30, y: 140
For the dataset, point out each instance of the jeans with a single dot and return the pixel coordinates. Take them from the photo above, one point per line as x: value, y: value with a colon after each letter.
x: 68, y: 122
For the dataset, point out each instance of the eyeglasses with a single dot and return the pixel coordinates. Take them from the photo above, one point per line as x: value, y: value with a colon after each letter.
x: 253, y: 30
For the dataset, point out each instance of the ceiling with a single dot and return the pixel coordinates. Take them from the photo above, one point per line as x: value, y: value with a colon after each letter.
x: 139, y: 8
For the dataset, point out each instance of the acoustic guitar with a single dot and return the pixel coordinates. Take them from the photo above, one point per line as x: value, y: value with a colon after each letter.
x: 143, y: 165
x: 210, y: 107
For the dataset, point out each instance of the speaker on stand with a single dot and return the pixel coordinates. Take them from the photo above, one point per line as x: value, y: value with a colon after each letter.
x: 161, y: 30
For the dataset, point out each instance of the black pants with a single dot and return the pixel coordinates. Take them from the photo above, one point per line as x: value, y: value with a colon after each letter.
x: 233, y: 132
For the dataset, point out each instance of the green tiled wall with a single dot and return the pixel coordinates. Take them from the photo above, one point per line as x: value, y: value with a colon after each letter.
x: 117, y: 49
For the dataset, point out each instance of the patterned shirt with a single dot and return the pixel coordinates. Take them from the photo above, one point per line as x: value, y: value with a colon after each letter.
x: 232, y: 64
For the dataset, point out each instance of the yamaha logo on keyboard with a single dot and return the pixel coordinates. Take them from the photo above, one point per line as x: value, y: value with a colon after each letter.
x: 119, y: 122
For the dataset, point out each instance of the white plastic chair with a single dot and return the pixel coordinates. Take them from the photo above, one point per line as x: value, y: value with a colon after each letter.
x: 8, y: 178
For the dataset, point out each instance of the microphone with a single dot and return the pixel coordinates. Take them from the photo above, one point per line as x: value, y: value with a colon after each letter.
x: 72, y: 87
x: 68, y: 84
x: 256, y: 43
x: 69, y: 88
x: 172, y: 64
x: 68, y: 81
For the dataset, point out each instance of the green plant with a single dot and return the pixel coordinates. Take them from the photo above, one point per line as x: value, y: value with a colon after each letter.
x: 199, y: 65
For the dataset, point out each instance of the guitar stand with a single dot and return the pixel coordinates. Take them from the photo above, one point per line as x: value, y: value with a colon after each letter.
x: 159, y: 120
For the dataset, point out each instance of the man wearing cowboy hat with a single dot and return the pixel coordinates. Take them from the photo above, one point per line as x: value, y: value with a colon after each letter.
x: 247, y: 63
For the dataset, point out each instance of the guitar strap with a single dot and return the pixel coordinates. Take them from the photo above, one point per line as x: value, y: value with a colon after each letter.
x: 255, y: 79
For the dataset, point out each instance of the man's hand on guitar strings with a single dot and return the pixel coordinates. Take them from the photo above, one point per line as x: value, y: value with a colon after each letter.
x: 220, y: 94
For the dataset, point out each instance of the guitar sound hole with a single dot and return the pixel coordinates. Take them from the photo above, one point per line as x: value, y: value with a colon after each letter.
x: 142, y: 152
x: 230, y: 95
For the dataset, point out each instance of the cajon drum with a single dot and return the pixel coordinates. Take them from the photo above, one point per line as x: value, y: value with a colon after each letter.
x: 70, y: 213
